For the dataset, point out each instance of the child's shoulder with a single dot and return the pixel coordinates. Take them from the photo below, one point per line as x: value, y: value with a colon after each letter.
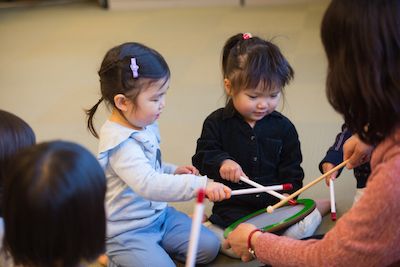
x: 217, y: 114
x: 114, y: 135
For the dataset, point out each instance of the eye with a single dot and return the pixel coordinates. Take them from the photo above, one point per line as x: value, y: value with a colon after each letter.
x: 274, y: 95
x: 157, y: 98
x: 252, y: 96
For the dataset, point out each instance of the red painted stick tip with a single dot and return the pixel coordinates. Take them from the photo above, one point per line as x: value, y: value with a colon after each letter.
x: 333, y: 216
x: 287, y: 187
x: 200, y: 195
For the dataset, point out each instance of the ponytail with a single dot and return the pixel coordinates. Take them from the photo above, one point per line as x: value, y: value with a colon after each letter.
x: 228, y: 49
x: 90, y: 115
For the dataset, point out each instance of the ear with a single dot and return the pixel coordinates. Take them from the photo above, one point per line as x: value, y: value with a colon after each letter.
x: 228, y: 87
x: 121, y: 102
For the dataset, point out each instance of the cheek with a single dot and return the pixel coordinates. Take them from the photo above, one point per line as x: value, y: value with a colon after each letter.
x: 275, y: 102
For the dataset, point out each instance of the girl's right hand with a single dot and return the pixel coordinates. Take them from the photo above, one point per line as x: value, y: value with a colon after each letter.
x: 231, y: 171
x: 356, y: 152
x: 327, y: 166
x: 217, y: 191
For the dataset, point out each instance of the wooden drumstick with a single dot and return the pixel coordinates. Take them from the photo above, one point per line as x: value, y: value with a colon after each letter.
x: 270, y: 209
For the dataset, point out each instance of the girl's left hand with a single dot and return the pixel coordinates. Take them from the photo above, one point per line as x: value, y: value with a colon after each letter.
x: 189, y: 169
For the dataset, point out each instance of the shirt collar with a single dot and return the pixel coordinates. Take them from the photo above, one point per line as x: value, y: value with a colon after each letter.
x: 113, y: 134
x: 229, y: 111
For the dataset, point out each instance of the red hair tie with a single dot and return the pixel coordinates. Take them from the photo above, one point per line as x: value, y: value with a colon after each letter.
x: 247, y: 35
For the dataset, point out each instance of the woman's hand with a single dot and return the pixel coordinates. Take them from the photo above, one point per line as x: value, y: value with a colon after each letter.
x: 237, y: 240
x: 356, y: 151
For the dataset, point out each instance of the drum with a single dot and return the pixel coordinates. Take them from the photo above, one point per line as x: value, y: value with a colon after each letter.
x: 281, y: 218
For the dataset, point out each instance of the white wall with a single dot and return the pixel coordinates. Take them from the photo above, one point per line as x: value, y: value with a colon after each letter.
x: 50, y: 56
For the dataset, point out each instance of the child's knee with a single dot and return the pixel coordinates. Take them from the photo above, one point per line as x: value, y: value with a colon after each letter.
x: 305, y: 227
x: 208, y: 247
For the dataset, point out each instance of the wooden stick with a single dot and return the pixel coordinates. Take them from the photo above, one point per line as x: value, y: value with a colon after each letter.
x: 270, y: 209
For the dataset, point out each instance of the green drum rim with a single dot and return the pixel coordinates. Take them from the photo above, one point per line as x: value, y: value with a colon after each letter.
x: 309, y: 206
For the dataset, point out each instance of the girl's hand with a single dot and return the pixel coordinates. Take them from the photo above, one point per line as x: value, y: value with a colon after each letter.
x: 237, y: 240
x: 231, y: 171
x: 189, y: 169
x: 217, y: 191
x: 356, y: 151
x: 327, y: 166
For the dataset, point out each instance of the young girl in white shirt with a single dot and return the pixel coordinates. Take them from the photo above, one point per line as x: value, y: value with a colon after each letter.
x: 142, y: 230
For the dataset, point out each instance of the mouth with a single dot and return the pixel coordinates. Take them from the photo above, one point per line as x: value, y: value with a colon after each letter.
x: 260, y: 114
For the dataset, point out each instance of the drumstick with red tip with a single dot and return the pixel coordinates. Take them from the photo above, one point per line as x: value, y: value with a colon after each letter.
x: 271, y: 192
x: 261, y: 189
x: 195, y: 230
x: 271, y: 209
x: 333, y: 205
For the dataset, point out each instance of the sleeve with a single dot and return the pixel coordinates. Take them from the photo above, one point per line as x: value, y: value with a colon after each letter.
x: 209, y: 152
x: 132, y: 166
x: 334, y: 154
x: 289, y: 169
x: 169, y: 168
x: 367, y: 235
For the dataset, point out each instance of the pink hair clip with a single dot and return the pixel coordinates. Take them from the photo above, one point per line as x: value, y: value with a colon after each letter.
x: 247, y: 35
x: 134, y: 68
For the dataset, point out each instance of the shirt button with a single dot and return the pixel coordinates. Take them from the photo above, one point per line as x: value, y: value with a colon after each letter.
x: 252, y: 137
x: 258, y: 195
x: 255, y: 159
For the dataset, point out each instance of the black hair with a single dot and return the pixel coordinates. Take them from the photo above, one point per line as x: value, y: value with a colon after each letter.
x: 54, y: 206
x: 118, y: 77
x: 249, y: 61
x: 362, y: 43
x: 15, y: 134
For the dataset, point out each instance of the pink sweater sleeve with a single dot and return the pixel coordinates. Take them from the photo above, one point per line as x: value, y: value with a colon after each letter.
x: 367, y: 235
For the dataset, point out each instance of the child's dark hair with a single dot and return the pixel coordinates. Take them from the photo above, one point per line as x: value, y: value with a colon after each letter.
x: 248, y: 61
x: 54, y: 206
x: 362, y: 44
x: 15, y: 134
x: 127, y: 69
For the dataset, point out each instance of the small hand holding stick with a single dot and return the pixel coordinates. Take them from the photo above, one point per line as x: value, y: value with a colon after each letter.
x: 195, y: 231
x: 270, y: 209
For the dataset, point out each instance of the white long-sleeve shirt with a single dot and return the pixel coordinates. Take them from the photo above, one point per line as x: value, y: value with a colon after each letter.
x: 138, y: 183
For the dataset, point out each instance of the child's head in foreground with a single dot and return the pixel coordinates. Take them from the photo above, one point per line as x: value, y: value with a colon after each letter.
x: 54, y: 206
x: 15, y: 134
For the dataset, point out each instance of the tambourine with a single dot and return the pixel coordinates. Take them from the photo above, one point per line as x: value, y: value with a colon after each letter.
x: 281, y: 217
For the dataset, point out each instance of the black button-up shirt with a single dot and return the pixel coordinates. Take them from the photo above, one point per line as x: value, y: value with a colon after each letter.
x: 269, y: 154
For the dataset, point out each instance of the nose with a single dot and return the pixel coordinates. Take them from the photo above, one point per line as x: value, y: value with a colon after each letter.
x: 263, y: 103
x: 162, y: 102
